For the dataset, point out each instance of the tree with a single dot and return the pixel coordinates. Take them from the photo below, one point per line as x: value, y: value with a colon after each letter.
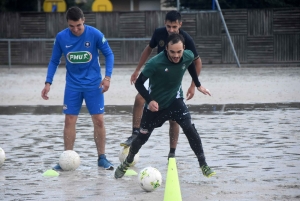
x: 231, y: 4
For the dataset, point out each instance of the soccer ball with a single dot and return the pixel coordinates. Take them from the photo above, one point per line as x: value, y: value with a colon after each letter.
x: 124, y: 153
x: 149, y: 179
x: 69, y: 160
x: 2, y: 156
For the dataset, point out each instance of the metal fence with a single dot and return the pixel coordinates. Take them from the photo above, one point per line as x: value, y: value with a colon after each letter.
x: 9, y: 43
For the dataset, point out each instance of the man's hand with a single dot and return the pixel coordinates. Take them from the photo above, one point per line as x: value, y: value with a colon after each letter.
x: 190, y: 92
x: 105, y: 84
x: 153, y: 106
x: 203, y: 90
x: 134, y: 77
x: 45, y: 91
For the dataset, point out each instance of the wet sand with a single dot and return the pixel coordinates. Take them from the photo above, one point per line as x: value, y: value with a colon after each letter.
x: 252, y: 145
x: 23, y: 86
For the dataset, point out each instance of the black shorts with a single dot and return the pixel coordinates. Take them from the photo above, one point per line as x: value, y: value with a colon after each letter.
x: 177, y: 111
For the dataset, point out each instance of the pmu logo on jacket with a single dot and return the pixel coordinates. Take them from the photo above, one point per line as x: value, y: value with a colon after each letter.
x: 79, y: 57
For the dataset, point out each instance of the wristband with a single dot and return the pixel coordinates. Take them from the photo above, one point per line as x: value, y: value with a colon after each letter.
x: 48, y: 83
x: 107, y: 79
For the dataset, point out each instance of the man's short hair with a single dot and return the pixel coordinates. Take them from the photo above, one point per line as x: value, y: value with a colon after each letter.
x: 175, y: 38
x: 173, y: 16
x: 74, y: 13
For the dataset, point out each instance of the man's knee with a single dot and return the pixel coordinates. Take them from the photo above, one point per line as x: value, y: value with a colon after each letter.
x: 139, y: 100
x: 173, y: 124
x: 70, y: 120
x: 190, y: 131
x: 143, y: 136
x: 98, y: 120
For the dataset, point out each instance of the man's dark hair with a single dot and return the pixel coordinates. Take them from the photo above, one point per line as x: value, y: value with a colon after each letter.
x: 74, y: 13
x: 175, y: 38
x: 173, y: 16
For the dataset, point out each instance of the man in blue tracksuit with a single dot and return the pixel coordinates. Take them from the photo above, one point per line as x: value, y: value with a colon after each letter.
x: 80, y: 44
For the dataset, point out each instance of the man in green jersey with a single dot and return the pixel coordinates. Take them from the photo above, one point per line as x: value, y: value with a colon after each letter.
x: 173, y: 23
x: 164, y: 100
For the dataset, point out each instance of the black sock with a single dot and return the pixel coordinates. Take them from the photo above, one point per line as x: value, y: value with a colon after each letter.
x: 135, y: 131
x: 172, y: 150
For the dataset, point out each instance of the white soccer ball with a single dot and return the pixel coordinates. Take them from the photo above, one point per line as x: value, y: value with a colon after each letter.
x: 69, y: 160
x: 149, y: 179
x: 124, y: 153
x: 2, y: 156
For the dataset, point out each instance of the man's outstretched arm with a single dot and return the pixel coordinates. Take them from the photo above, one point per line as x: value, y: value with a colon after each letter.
x: 191, y: 90
x: 145, y: 55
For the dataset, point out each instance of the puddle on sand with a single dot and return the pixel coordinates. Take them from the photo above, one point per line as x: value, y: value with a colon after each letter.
x: 127, y: 109
x: 254, y: 152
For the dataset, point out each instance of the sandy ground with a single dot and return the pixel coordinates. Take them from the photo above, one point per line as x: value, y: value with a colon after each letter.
x: 255, y: 152
x: 23, y: 86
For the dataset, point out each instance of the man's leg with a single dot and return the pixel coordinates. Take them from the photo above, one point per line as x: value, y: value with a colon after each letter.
x: 196, y: 145
x: 72, y: 104
x: 181, y: 114
x: 136, y: 145
x: 99, y: 133
x: 150, y: 120
x: 95, y: 103
x: 174, y: 134
x: 136, y: 119
x: 70, y: 131
x: 137, y: 111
